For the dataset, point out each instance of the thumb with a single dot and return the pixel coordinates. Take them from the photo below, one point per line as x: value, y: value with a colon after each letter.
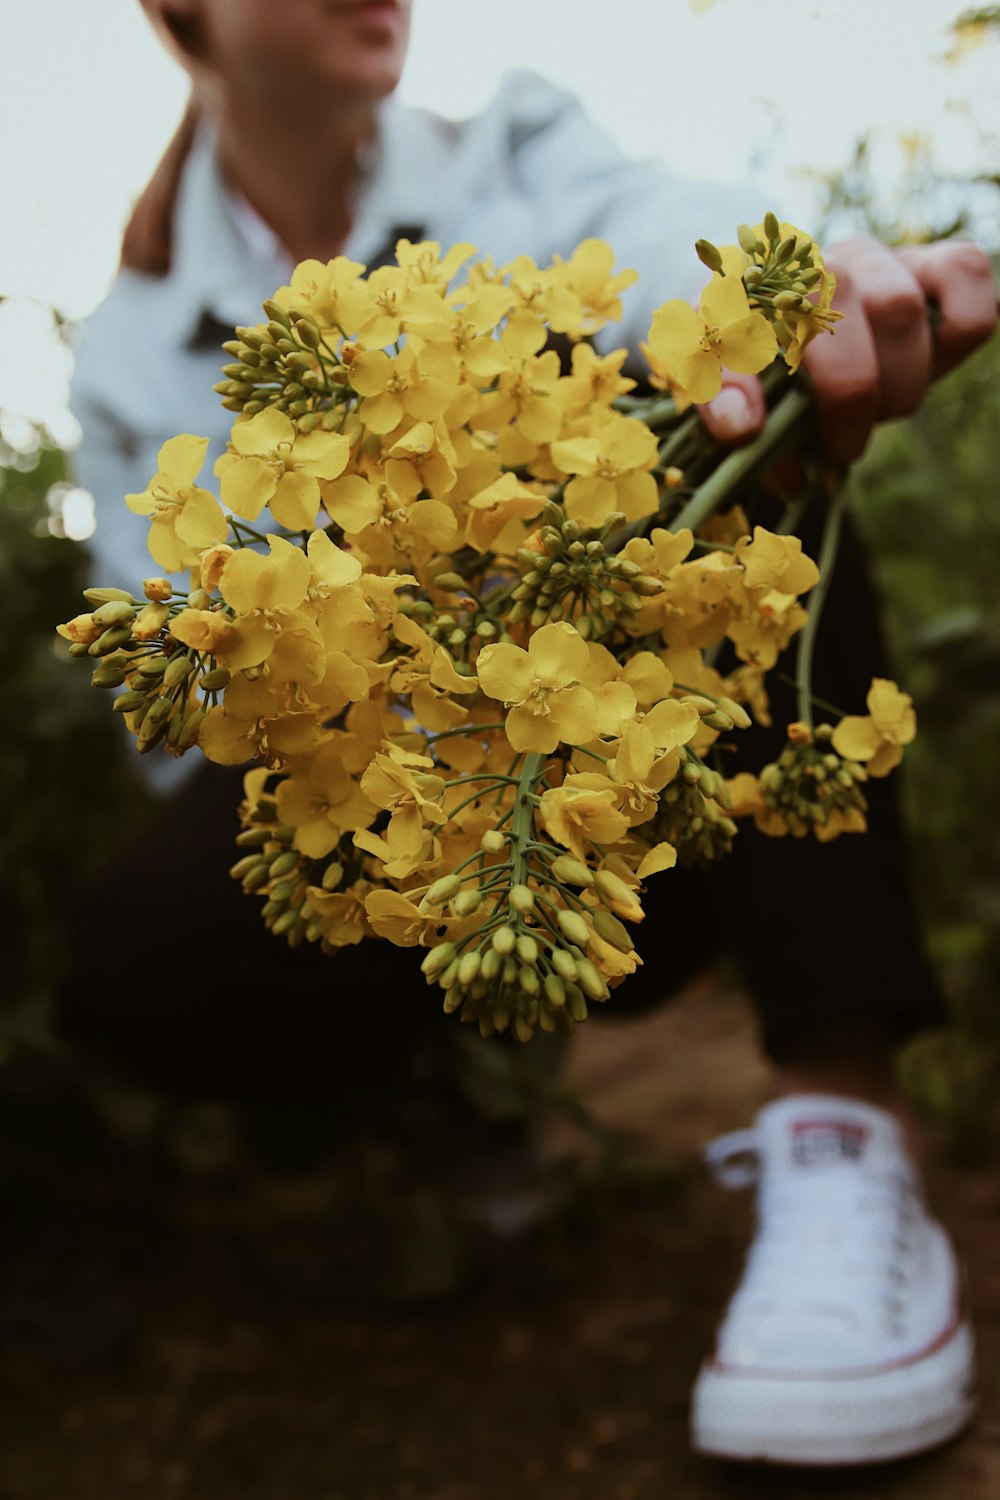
x: 737, y: 413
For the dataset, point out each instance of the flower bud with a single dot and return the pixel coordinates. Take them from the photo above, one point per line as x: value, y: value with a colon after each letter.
x: 527, y: 949
x: 127, y: 703
x: 570, y: 871
x: 576, y: 1005
x: 503, y: 941
x: 106, y: 596
x: 490, y: 967
x: 110, y: 640
x: 736, y: 712
x: 191, y: 730
x: 575, y: 927
x: 555, y: 991
x: 493, y: 841
x: 612, y: 931
x: 709, y: 256
x: 618, y: 894
x: 590, y: 980
x: 442, y: 890
x: 252, y: 838
x: 521, y: 898
x: 179, y: 669
x: 749, y: 242
x: 468, y: 967
x: 466, y: 903
x: 528, y: 980
x: 150, y: 621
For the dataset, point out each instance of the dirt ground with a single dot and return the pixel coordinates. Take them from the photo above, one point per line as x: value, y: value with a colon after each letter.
x: 218, y: 1360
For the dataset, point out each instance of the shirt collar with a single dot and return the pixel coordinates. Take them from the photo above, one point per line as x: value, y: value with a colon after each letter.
x: 226, y: 259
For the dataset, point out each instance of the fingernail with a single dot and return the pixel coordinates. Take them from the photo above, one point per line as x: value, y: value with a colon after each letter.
x: 730, y: 412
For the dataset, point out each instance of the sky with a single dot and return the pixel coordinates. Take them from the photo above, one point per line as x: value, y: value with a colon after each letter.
x: 717, y: 88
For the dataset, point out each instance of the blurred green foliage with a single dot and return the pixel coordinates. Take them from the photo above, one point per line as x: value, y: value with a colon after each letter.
x: 928, y: 502
x: 67, y: 793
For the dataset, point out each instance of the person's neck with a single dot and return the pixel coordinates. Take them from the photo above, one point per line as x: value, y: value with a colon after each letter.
x: 298, y: 175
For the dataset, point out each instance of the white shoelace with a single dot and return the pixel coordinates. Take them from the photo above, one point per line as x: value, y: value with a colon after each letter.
x: 832, y: 1240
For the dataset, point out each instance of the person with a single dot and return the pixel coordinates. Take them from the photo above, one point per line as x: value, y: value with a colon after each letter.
x: 846, y: 1340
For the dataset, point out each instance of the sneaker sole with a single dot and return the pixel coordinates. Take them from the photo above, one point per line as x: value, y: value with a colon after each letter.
x: 850, y: 1419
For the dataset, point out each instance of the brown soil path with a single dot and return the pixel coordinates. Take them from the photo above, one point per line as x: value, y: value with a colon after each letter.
x: 565, y: 1377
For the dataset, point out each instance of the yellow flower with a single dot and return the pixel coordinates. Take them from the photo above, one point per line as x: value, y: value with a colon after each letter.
x: 428, y: 676
x: 321, y: 800
x: 82, y: 630
x: 495, y: 514
x: 640, y: 772
x: 394, y: 386
x: 333, y: 568
x: 878, y: 739
x: 584, y: 811
x: 541, y: 687
x: 334, y: 293
x: 256, y: 721
x: 776, y: 562
x: 394, y: 916
x: 693, y: 346
x: 596, y: 378
x: 528, y: 393
x: 207, y: 630
x: 186, y: 519
x: 589, y: 274
x: 648, y: 756
x: 648, y: 677
x: 265, y: 591
x: 765, y: 625
x: 403, y: 783
x: 611, y: 471
x: 423, y: 459
x: 211, y: 564
x: 341, y: 915
x: 270, y: 463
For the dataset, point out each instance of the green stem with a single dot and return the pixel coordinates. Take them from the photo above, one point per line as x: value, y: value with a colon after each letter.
x: 807, y: 638
x: 791, y: 410
x: 524, y: 816
x: 447, y: 734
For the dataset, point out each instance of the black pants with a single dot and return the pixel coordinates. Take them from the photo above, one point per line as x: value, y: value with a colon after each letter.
x: 176, y: 976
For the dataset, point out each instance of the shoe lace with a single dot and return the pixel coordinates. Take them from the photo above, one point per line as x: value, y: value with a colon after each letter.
x: 838, y: 1239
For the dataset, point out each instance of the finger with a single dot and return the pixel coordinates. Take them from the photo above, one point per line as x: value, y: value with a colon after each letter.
x: 845, y: 373
x: 737, y: 413
x: 896, y: 309
x: 958, y: 277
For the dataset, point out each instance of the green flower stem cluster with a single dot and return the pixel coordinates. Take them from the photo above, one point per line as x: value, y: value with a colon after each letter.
x: 285, y: 363
x: 694, y: 812
x: 575, y: 577
x: 165, y: 684
x: 462, y: 626
x: 525, y: 966
x: 810, y: 782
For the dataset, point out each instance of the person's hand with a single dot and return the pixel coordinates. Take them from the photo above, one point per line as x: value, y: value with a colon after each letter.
x: 884, y: 353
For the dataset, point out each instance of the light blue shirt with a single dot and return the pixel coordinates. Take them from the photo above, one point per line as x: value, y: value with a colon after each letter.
x: 531, y: 175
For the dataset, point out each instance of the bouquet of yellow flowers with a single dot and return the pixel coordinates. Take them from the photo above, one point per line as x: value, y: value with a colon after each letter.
x: 463, y: 600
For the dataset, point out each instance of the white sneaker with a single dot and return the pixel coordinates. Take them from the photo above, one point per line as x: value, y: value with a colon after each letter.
x: 845, y: 1342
